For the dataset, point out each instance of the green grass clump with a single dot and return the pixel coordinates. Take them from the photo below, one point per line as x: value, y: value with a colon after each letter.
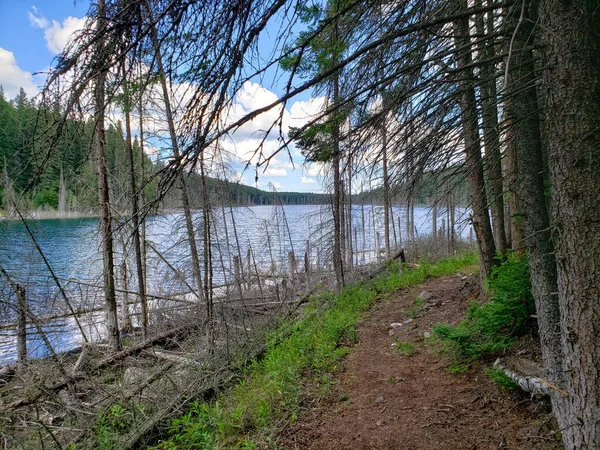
x: 416, y: 310
x: 494, y: 326
x: 114, y: 422
x: 497, y: 375
x: 270, y: 391
x: 405, y: 348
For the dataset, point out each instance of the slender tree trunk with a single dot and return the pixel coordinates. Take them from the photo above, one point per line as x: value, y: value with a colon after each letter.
x: 62, y: 195
x: 571, y: 40
x: 470, y: 135
x: 337, y: 251
x: 135, y: 214
x: 21, y: 308
x: 349, y: 243
x: 208, y: 267
x: 185, y: 198
x: 491, y: 135
x: 338, y: 206
x: 112, y: 322
x: 386, y: 190
x: 523, y: 113
x: 142, y: 178
x: 434, y: 221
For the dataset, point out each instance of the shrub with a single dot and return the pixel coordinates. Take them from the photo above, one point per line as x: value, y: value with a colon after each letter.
x: 493, y: 327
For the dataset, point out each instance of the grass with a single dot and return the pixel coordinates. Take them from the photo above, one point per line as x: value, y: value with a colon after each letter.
x: 497, y: 375
x: 405, y: 348
x: 270, y: 391
x: 416, y: 310
x: 395, y: 380
x: 493, y: 327
x: 118, y: 419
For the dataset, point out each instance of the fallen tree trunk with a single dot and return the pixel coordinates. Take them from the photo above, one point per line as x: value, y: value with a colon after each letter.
x: 526, y: 379
x: 111, y: 359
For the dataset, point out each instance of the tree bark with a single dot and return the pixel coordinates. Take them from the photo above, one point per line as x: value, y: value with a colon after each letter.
x: 338, y: 204
x: 523, y: 115
x: 570, y: 38
x: 135, y: 215
x: 112, y: 323
x: 491, y: 135
x: 386, y: 189
x: 470, y: 135
x: 517, y: 237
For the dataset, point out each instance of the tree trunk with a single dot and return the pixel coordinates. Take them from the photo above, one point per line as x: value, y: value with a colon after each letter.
x: 386, y: 190
x: 512, y: 172
x: 135, y: 214
x: 112, y: 323
x: 470, y: 135
x: 570, y: 37
x: 523, y: 115
x: 208, y: 268
x: 62, y: 195
x: 491, y: 135
x: 185, y: 198
x: 349, y: 244
x: 338, y: 206
x: 21, y: 308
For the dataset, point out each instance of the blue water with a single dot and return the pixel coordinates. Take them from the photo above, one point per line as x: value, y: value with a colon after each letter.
x: 72, y: 247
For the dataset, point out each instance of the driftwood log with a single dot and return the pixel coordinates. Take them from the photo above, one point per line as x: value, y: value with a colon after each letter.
x: 527, y: 375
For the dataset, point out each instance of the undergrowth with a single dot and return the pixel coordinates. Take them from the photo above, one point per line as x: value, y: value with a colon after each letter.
x: 118, y: 419
x: 496, y: 374
x: 269, y: 393
x: 404, y: 348
x: 493, y: 327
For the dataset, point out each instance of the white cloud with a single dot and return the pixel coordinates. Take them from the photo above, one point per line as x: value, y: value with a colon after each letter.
x: 37, y: 19
x: 57, y: 35
x: 12, y: 77
x: 276, y: 184
x: 307, y: 180
x: 315, y: 169
x: 255, y: 134
x: 253, y: 96
x: 302, y: 112
x: 272, y: 172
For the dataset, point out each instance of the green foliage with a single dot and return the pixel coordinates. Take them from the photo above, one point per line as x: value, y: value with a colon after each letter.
x: 493, y: 327
x: 113, y: 423
x: 34, y: 156
x: 416, y: 310
x: 496, y: 374
x: 395, y: 380
x: 404, y: 348
x: 270, y: 390
x: 46, y: 196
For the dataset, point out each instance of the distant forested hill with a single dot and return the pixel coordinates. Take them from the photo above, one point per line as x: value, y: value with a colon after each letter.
x: 42, y: 172
x: 38, y: 170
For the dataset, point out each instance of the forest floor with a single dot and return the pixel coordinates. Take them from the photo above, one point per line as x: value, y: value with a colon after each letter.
x: 395, y: 390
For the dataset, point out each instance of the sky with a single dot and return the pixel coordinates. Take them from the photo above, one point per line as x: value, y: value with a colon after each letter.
x: 32, y: 33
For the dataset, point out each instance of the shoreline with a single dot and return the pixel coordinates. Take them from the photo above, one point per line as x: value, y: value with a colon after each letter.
x: 44, y: 214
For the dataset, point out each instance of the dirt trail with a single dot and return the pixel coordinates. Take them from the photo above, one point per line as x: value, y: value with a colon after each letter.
x: 385, y: 400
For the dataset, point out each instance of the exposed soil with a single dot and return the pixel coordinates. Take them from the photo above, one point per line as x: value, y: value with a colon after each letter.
x: 385, y: 400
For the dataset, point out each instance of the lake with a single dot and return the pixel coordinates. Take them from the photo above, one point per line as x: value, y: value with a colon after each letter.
x: 72, y: 249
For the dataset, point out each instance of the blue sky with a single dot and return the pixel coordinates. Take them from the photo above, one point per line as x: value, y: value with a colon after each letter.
x: 32, y: 33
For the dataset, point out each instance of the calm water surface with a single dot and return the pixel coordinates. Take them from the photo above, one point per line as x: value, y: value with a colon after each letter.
x: 72, y: 248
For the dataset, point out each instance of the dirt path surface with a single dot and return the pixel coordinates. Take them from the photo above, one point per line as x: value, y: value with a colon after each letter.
x: 383, y: 399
